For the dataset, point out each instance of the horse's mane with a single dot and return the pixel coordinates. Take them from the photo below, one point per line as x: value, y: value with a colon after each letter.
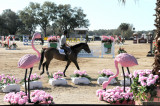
x: 76, y: 45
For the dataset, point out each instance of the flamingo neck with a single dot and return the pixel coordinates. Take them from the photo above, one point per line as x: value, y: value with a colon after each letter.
x: 105, y: 84
x: 33, y: 39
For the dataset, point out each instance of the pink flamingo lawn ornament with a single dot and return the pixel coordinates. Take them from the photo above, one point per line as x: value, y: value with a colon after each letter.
x: 125, y: 60
x: 27, y: 61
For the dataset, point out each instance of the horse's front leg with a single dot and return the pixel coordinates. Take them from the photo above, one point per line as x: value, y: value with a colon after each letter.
x: 75, y: 62
x: 68, y: 63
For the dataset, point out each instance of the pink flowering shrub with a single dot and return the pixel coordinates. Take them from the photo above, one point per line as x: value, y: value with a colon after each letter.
x: 106, y: 73
x: 144, y: 83
x: 52, y: 39
x: 38, y: 96
x: 33, y: 77
x: 57, y: 75
x: 107, y: 39
x: 18, y: 98
x: 6, y: 80
x: 127, y: 75
x: 115, y: 94
x: 78, y: 73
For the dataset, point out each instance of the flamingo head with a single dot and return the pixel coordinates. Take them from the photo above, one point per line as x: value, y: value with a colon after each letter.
x: 37, y: 35
x: 105, y: 84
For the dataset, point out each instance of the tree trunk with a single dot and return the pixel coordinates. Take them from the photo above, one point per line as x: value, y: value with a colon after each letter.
x: 156, y: 64
x: 45, y: 32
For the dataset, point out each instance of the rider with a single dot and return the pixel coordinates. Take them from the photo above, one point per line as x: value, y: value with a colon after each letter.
x: 64, y: 45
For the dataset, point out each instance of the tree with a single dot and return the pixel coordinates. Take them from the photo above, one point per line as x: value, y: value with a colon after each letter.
x: 129, y: 32
x: 124, y: 27
x: 30, y: 23
x: 12, y: 21
x: 42, y: 15
x: 46, y: 14
x: 156, y: 64
x: 2, y: 26
x: 69, y: 18
x: 123, y: 1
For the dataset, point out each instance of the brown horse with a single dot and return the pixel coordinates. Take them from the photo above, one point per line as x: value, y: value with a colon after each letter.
x: 51, y: 53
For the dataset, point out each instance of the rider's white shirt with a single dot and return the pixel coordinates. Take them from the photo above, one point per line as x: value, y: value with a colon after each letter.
x: 63, y: 40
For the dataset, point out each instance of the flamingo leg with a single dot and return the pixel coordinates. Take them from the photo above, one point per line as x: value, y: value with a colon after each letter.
x: 129, y: 73
x: 68, y: 63
x: 29, y: 100
x: 25, y: 82
x: 124, y: 79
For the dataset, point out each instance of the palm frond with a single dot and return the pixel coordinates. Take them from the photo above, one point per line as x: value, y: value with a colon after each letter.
x: 122, y: 1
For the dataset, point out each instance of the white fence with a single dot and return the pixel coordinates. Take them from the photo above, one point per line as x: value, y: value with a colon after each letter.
x: 104, y: 50
x: 26, y: 41
x: 98, y: 51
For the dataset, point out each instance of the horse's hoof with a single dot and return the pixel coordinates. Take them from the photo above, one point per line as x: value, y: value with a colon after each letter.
x: 65, y: 76
x: 48, y: 73
x: 41, y: 73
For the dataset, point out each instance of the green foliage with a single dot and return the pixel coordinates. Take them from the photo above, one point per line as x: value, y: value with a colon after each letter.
x: 103, y: 75
x: 11, y: 21
x: 77, y: 75
x: 70, y: 18
x: 121, y: 50
x: 48, y: 16
x: 124, y: 27
x: 50, y: 76
x: 30, y: 22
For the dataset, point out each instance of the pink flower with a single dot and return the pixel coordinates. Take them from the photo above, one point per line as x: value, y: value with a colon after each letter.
x: 135, y: 74
x: 21, y: 101
x: 153, y: 81
x: 100, y: 97
x: 107, y: 72
x: 49, y: 102
x: 143, y: 83
x: 151, y: 75
x: 148, y: 83
x: 130, y: 75
x: 40, y: 96
x: 114, y: 94
x: 156, y: 77
x: 58, y: 75
x: 15, y: 98
x: 79, y: 73
x: 4, y: 81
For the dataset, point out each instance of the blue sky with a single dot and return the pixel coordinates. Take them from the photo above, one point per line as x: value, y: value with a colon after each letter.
x: 102, y: 14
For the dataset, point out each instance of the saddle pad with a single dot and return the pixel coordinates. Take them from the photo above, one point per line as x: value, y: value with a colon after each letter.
x: 61, y: 51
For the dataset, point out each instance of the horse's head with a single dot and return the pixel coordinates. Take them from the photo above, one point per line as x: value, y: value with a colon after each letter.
x: 86, y: 48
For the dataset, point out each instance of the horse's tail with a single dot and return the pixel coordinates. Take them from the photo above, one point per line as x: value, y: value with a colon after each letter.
x: 42, y: 58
